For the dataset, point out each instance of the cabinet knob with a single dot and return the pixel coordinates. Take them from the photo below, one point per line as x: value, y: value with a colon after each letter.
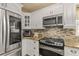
x: 73, y: 51
x: 34, y: 55
x: 34, y: 47
x: 34, y: 42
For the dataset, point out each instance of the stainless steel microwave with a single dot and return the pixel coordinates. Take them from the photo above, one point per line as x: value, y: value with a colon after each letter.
x: 53, y: 20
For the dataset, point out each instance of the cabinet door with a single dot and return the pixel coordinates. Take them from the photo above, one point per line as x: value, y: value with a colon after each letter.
x: 37, y: 20
x: 58, y: 9
x: 27, y: 47
x: 24, y: 47
x: 30, y: 47
x: 26, y: 21
x: 52, y: 10
x: 69, y: 15
x: 71, y: 51
x: 36, y: 48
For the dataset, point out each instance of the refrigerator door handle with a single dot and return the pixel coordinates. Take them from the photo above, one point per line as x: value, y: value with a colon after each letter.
x: 3, y: 28
x: 2, y: 33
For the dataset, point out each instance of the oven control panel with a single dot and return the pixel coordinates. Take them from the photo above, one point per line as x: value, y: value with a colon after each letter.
x: 53, y: 42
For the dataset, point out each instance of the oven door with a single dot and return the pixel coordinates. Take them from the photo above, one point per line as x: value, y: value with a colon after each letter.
x: 13, y: 31
x: 45, y: 50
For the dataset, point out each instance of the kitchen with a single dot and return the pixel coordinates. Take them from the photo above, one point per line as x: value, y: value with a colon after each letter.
x: 39, y: 29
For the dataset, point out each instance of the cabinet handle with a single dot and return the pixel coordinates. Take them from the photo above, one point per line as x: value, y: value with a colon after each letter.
x: 34, y: 42
x: 73, y: 51
x: 34, y: 55
x: 27, y: 55
x: 34, y: 48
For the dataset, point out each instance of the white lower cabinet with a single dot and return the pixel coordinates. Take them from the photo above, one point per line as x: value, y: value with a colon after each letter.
x: 69, y: 51
x: 30, y: 47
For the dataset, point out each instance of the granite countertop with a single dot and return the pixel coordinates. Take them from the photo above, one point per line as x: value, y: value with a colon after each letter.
x: 32, y: 38
x: 69, y: 43
x: 27, y: 37
x: 72, y: 44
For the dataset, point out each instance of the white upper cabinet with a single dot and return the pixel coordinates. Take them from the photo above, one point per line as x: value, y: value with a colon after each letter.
x: 56, y: 9
x: 68, y: 11
x: 53, y: 9
x: 36, y: 21
x: 69, y: 15
x: 37, y: 16
x: 26, y: 21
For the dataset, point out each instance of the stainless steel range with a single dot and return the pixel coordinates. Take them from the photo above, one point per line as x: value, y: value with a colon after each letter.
x: 51, y: 47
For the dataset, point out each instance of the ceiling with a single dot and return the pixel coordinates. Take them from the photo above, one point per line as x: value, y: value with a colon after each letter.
x: 30, y: 7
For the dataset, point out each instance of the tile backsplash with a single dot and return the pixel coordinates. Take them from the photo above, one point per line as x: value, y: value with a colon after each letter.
x: 69, y: 35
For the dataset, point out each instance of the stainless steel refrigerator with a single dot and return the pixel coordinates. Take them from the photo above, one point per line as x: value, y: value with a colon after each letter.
x: 10, y: 31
